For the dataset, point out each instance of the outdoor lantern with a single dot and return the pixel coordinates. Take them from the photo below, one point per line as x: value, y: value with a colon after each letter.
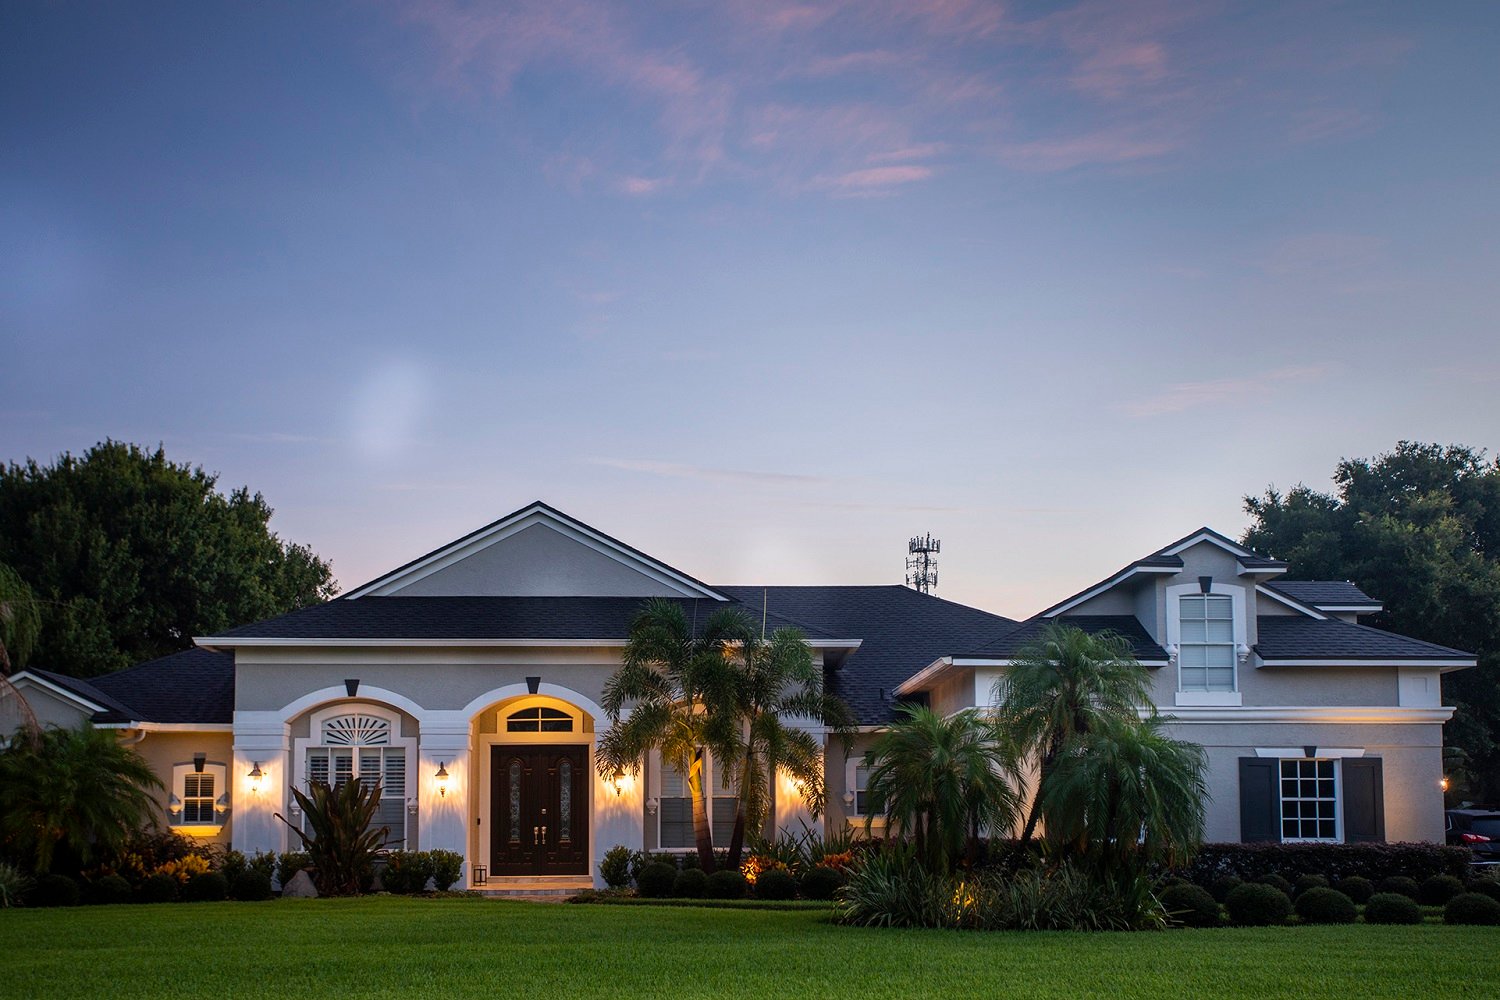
x: 618, y: 780
x: 255, y: 776
x: 442, y: 778
x: 1445, y: 784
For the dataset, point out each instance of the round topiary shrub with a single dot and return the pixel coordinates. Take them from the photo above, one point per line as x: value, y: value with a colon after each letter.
x: 1191, y: 906
x: 1279, y: 882
x: 159, y: 888
x: 1221, y: 887
x: 1321, y: 905
x: 1392, y: 908
x: 1306, y: 882
x: 822, y: 882
x: 775, y: 884
x: 725, y: 884
x: 691, y: 883
x: 110, y: 889
x: 1257, y: 904
x: 1398, y: 883
x: 1487, y: 887
x: 1438, y: 889
x: 53, y: 890
x: 1472, y: 908
x: 210, y: 887
x: 250, y: 886
x: 1356, y: 888
x: 655, y: 881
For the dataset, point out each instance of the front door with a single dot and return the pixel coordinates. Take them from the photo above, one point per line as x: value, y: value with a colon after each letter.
x: 539, y: 797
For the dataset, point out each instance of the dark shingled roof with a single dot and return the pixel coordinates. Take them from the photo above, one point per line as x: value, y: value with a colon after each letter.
x: 1288, y: 637
x: 114, y: 710
x: 481, y: 618
x: 1141, y: 644
x: 195, y: 685
x: 1325, y: 593
x: 903, y: 631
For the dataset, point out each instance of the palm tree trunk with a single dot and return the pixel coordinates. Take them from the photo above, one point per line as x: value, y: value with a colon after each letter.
x: 702, y: 831
x: 737, y: 838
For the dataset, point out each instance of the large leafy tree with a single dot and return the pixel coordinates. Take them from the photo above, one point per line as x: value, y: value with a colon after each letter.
x: 20, y: 624
x: 77, y: 790
x: 676, y: 692
x: 1419, y: 529
x: 941, y: 782
x: 129, y: 555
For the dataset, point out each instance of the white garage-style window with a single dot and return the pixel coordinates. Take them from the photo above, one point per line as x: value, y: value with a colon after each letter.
x: 1206, y: 634
x: 364, y: 742
x: 674, y: 810
x: 1309, y: 800
x: 199, y: 796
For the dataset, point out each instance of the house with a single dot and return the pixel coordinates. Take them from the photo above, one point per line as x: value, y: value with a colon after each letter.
x: 469, y: 682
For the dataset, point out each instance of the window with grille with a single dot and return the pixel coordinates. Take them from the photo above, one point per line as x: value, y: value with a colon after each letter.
x: 360, y: 746
x: 861, y: 789
x: 539, y: 720
x: 1206, y: 649
x: 198, y: 799
x: 1309, y: 799
x: 674, y: 811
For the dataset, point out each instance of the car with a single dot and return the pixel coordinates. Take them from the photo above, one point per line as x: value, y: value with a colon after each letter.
x: 1478, y: 830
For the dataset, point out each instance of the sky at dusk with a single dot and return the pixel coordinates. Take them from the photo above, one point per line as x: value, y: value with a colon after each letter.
x: 762, y: 288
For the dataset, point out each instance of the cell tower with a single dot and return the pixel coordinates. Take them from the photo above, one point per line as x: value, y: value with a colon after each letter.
x: 921, y: 567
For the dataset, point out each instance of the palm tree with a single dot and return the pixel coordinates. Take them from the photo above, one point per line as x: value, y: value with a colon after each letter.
x: 941, y: 781
x: 681, y: 686
x: 1066, y: 684
x: 779, y: 682
x: 79, y: 789
x: 1128, y: 794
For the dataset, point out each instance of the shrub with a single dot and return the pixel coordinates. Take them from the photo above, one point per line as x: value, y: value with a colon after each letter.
x: 1223, y: 885
x: 159, y: 888
x: 1251, y: 862
x: 1436, y: 890
x: 53, y: 890
x: 447, y: 866
x: 406, y: 871
x: 1191, y: 906
x: 250, y: 886
x: 690, y: 883
x: 1257, y: 904
x: 638, y: 861
x: 1472, y: 908
x: 725, y: 884
x: 615, y: 868
x: 14, y: 885
x: 263, y: 862
x: 338, y: 830
x: 1356, y: 888
x: 1398, y: 883
x: 1322, y: 905
x: 655, y: 880
x: 210, y: 887
x: 233, y: 863
x: 1392, y: 908
x: 775, y: 883
x: 1487, y: 886
x: 822, y: 882
x: 1279, y: 882
x: 185, y: 868
x: 1306, y: 882
x: 289, y: 863
x: 110, y: 889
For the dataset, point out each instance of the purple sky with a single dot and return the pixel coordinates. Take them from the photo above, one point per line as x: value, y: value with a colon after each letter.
x: 761, y: 288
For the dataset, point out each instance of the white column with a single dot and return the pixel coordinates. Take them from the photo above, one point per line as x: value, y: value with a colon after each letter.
x: 791, y: 810
x: 443, y: 810
x: 619, y: 816
x: 261, y: 740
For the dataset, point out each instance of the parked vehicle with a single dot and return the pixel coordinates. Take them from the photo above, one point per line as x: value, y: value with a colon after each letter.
x: 1478, y: 830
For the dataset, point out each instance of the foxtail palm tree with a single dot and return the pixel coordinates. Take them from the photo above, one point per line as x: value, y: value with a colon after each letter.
x: 941, y: 781
x: 679, y: 686
x: 1066, y: 684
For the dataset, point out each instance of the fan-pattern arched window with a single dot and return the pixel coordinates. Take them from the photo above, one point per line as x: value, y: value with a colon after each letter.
x: 539, y: 720
x: 360, y: 744
x: 357, y: 731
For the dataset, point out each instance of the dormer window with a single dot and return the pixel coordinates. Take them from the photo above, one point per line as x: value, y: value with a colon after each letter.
x: 1206, y: 649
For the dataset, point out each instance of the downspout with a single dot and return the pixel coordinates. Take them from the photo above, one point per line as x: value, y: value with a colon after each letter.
x: 131, y: 741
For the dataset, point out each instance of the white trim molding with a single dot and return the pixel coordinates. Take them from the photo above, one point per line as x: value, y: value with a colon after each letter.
x: 1330, y: 753
x: 1291, y: 602
x: 1332, y: 714
x: 27, y: 677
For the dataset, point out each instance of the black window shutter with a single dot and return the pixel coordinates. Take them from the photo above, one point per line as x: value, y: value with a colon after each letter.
x: 1364, y: 800
x: 1260, y: 800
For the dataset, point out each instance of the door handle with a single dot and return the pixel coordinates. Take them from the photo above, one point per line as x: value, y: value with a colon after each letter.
x: 533, y: 835
x: 544, y: 836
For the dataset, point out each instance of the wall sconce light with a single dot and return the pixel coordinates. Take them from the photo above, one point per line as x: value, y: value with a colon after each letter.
x: 411, y: 805
x: 651, y: 805
x: 618, y: 781
x: 1445, y: 784
x: 442, y: 778
x: 256, y: 775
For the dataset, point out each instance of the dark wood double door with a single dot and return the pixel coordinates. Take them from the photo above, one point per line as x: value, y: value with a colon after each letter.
x: 539, y: 799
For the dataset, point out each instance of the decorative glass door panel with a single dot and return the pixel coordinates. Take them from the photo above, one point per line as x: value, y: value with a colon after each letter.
x: 539, y: 810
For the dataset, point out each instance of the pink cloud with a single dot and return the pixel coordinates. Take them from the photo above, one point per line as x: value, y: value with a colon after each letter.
x: 640, y: 187
x: 1191, y: 395
x: 873, y: 180
x: 1049, y: 155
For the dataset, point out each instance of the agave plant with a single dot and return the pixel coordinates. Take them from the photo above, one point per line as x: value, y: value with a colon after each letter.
x: 342, y: 843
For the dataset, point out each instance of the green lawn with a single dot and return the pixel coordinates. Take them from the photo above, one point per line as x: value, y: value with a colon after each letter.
x: 403, y: 948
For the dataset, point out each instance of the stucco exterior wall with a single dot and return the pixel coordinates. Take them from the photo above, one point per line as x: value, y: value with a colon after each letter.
x: 165, y: 751
x: 50, y: 709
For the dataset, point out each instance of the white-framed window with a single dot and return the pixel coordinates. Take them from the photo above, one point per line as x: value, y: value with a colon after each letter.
x: 1206, y: 650
x: 674, y: 809
x: 1309, y: 800
x: 367, y: 743
x: 199, y: 795
x: 861, y: 789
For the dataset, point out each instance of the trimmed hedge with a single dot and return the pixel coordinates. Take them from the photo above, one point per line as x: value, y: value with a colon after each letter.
x: 726, y: 884
x: 207, y: 888
x: 251, y: 886
x: 1280, y: 883
x: 1472, y: 908
x: 822, y: 882
x: 1436, y: 890
x: 1357, y: 888
x: 1252, y: 862
x: 53, y: 890
x: 691, y: 883
x: 1487, y: 886
x: 655, y: 881
x: 1306, y: 882
x: 1256, y: 904
x: 1398, y: 883
x: 1392, y: 908
x: 1322, y: 905
x: 775, y: 884
x: 1221, y: 887
x: 158, y: 888
x: 110, y: 889
x: 1191, y: 906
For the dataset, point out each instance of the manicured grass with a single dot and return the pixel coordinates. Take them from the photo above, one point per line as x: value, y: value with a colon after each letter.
x: 405, y: 948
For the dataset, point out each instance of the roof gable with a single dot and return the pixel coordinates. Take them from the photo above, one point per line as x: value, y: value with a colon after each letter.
x: 537, y: 551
